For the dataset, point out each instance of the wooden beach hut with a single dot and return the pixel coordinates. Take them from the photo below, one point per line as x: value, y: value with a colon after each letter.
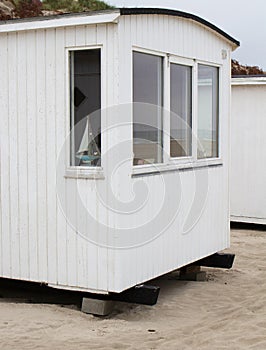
x: 114, y: 146
x: 248, y: 171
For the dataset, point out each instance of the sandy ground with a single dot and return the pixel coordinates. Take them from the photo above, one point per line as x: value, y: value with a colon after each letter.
x: 226, y: 312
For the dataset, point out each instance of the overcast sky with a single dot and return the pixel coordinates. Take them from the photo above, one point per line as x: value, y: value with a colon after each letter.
x: 242, y: 19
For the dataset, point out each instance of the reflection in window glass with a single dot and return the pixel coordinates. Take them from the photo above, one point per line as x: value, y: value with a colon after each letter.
x: 208, y: 111
x: 85, y: 101
x: 147, y: 89
x: 181, y: 111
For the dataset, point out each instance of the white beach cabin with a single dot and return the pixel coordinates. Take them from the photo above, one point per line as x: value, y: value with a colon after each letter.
x: 132, y: 192
x: 248, y: 175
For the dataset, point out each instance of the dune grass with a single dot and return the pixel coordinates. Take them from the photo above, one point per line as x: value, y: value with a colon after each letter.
x: 76, y: 5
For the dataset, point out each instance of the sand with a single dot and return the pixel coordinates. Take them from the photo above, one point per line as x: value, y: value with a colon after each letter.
x: 228, y: 311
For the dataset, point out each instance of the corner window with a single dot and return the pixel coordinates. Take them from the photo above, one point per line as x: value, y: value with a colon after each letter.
x: 85, y: 105
x: 208, y: 111
x: 147, y: 113
x: 181, y: 110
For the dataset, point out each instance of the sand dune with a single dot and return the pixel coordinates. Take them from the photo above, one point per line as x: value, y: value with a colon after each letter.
x: 226, y: 312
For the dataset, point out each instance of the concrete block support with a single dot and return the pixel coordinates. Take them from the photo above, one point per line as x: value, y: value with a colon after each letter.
x: 192, y: 273
x: 97, y: 307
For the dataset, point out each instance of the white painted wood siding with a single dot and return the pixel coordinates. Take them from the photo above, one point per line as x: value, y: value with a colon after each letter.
x: 38, y: 241
x: 248, y: 170
x: 172, y: 249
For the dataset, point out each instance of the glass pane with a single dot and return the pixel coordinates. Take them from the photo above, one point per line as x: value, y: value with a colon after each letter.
x: 208, y: 111
x: 85, y: 101
x: 147, y: 89
x: 181, y: 111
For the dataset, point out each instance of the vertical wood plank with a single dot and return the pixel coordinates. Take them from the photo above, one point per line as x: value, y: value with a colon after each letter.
x: 80, y: 33
x: 51, y: 95
x: 13, y: 150
x: 5, y: 260
x: 71, y: 194
x: 90, y: 35
x: 61, y: 121
x: 92, y: 229
x: 22, y: 101
x: 70, y: 37
x: 102, y: 252
x: 81, y: 243
x: 32, y: 150
x: 71, y: 213
x: 41, y: 140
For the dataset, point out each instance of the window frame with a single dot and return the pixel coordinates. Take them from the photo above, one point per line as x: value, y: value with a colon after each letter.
x: 187, y: 62
x: 218, y: 158
x: 164, y: 57
x: 190, y: 162
x: 168, y: 163
x: 73, y: 171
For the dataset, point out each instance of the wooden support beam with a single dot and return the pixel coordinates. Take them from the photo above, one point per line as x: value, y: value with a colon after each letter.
x: 220, y: 260
x: 141, y: 294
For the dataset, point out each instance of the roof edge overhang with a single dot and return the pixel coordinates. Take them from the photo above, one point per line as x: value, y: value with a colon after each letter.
x: 106, y: 16
x: 57, y: 21
x: 160, y: 11
x: 248, y: 80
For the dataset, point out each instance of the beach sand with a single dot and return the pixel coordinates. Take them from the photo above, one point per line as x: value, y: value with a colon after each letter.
x: 228, y: 311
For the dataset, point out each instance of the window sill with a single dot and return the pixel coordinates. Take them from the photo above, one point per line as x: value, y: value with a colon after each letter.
x: 174, y: 165
x: 151, y: 169
x: 85, y: 173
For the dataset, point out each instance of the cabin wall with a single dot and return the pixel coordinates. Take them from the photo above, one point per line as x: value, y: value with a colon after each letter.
x: 38, y: 240
x: 174, y: 247
x: 62, y: 230
x: 248, y: 171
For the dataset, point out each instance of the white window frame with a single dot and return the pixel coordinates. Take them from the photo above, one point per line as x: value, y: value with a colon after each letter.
x: 164, y: 81
x: 168, y: 163
x: 189, y: 63
x: 72, y: 171
x: 219, y: 159
x: 191, y: 162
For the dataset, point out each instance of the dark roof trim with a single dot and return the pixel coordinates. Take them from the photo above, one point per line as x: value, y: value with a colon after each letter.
x: 131, y: 11
x: 156, y: 11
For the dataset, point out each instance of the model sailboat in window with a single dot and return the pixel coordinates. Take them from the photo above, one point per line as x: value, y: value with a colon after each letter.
x: 88, y: 152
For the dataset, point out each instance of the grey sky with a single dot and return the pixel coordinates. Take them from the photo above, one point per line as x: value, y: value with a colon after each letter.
x: 244, y: 20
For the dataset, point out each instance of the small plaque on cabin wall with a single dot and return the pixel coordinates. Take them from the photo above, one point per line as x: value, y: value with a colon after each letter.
x: 224, y: 54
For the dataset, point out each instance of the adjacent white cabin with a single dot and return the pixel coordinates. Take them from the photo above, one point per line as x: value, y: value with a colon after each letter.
x: 248, y: 175
x: 133, y: 191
